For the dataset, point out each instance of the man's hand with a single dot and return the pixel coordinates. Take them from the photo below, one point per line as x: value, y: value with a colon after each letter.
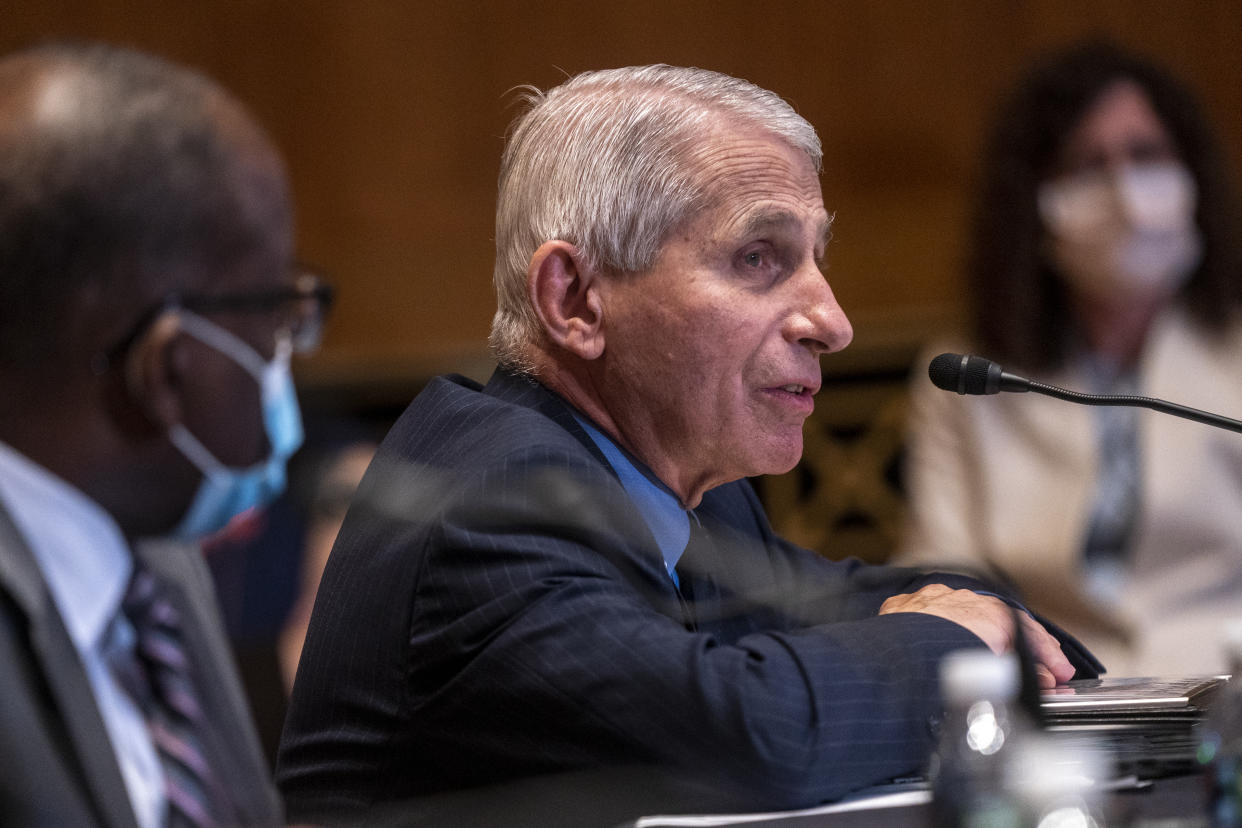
x: 992, y: 620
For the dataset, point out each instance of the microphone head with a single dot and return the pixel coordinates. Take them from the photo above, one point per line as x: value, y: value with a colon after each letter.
x: 965, y: 374
x: 945, y: 370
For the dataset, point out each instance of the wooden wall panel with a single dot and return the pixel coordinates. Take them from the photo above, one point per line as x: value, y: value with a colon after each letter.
x: 391, y: 115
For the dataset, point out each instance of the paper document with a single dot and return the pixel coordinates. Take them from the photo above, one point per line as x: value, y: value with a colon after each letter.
x: 912, y: 795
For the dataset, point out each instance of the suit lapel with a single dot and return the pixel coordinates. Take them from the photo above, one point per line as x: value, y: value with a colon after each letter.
x: 55, y: 653
x: 522, y: 391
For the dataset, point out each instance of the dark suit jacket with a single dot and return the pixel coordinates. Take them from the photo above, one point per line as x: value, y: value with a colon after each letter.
x: 57, y: 767
x: 495, y: 607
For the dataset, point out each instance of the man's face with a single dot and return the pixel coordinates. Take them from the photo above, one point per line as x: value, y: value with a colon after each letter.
x: 711, y: 358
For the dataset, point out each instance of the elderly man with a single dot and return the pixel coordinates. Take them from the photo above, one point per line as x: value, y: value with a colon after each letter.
x: 563, y: 570
x: 148, y: 308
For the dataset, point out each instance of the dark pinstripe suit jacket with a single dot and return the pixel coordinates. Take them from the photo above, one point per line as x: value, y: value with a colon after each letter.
x: 57, y: 767
x: 495, y: 607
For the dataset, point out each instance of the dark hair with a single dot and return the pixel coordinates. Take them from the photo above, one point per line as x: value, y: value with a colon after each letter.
x: 1020, y: 311
x: 134, y: 177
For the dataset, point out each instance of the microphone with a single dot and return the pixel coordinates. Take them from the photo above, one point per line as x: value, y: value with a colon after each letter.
x: 968, y: 374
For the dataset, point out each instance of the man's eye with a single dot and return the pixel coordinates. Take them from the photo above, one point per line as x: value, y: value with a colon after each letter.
x: 755, y: 259
x: 760, y: 262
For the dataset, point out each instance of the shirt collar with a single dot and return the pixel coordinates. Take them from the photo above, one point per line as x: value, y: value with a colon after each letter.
x: 78, y: 546
x: 660, y: 508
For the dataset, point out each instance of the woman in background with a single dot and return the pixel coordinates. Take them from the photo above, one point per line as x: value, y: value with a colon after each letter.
x: 1105, y: 258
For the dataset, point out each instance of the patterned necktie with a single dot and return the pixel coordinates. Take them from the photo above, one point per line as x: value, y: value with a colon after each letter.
x: 157, y: 674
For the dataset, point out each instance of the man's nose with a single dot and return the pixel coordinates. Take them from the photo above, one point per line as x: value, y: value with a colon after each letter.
x: 818, y: 320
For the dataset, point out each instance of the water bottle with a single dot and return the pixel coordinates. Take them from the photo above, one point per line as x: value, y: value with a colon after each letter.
x: 1220, y: 739
x: 982, y: 726
x: 1055, y: 781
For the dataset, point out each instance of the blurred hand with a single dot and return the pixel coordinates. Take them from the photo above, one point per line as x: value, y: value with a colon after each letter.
x: 992, y: 620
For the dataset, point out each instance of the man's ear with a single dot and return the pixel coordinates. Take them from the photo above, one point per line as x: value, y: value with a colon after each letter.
x: 155, y: 368
x: 565, y: 296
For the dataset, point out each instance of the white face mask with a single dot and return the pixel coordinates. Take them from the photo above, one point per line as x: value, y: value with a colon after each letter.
x: 1115, y: 235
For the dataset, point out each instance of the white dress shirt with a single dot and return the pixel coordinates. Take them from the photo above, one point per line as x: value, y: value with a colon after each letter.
x: 86, y: 564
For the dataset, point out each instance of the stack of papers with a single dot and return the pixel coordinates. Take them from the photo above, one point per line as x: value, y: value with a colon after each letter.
x: 1147, y: 725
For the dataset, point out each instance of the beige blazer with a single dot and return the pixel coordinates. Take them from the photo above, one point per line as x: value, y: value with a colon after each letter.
x: 1004, y: 483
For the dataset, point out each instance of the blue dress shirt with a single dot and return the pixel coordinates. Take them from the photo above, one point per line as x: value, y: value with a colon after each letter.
x: 661, y: 510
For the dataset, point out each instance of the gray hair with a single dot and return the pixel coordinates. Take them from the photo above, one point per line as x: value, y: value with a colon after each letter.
x: 606, y: 162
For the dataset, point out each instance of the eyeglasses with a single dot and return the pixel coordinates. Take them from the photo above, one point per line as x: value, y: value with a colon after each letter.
x: 303, y: 306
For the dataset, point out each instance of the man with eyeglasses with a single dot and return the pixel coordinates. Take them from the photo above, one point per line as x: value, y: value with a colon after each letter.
x: 149, y: 308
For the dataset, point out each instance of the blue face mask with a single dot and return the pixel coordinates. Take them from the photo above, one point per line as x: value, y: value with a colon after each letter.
x: 226, y: 492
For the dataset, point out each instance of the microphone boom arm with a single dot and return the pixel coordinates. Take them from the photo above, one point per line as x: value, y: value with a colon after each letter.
x: 1163, y: 406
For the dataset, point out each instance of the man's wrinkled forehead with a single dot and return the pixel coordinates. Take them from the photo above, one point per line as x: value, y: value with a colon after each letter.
x: 758, y: 188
